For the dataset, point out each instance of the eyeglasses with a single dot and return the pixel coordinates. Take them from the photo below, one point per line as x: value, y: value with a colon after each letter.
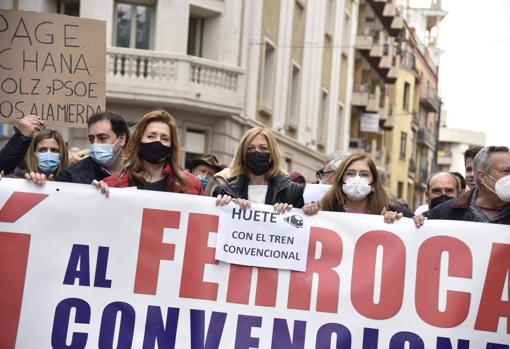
x: 442, y: 190
x: 321, y: 173
x: 352, y: 173
x: 262, y: 149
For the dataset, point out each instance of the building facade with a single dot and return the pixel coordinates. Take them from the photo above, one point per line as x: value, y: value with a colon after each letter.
x: 453, y: 142
x: 396, y: 110
x: 223, y: 66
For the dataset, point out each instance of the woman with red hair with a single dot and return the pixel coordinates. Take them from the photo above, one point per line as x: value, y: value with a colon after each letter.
x: 152, y: 159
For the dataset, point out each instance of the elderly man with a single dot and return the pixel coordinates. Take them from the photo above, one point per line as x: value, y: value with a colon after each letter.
x: 489, y: 202
x: 204, y: 168
x: 441, y: 187
x: 327, y: 174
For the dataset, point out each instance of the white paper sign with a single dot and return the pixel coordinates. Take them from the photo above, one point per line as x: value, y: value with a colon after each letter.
x: 260, y: 237
x: 315, y: 192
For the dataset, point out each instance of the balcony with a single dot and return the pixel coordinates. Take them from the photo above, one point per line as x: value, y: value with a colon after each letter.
x: 365, y: 35
x: 427, y: 138
x: 361, y: 97
x: 411, y: 170
x: 384, y: 107
x: 387, y: 11
x: 148, y: 77
x: 430, y: 102
x: 389, y: 123
x: 408, y: 60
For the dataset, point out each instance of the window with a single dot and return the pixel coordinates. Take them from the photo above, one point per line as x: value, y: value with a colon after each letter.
x: 403, y: 145
x: 407, y: 90
x: 322, y: 126
x: 268, y: 72
x: 294, y: 98
x: 69, y: 7
x: 195, y: 31
x: 133, y: 26
x: 400, y: 190
x: 195, y: 145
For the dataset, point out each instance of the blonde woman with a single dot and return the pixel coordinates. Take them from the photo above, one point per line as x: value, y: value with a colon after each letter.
x: 46, y: 156
x: 257, y: 175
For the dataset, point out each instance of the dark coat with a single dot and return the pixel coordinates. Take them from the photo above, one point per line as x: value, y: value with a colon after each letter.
x: 84, y: 171
x: 458, y: 209
x: 280, y: 189
x: 193, y: 186
x: 13, y: 152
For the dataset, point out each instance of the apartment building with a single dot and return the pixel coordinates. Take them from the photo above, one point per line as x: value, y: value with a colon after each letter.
x: 396, y: 107
x: 223, y: 66
x: 375, y: 70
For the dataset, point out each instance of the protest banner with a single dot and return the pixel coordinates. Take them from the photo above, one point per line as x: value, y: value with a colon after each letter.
x: 52, y: 66
x: 137, y: 270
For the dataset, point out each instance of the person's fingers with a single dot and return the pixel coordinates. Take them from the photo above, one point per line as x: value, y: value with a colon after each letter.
x: 218, y: 200
x: 399, y: 215
x: 104, y: 189
x: 289, y: 207
x: 51, y: 177
x: 383, y: 212
x: 2, y: 174
x: 95, y: 183
x: 225, y: 200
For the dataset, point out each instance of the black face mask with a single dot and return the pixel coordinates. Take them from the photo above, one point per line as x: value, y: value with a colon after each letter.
x: 439, y: 200
x: 154, y: 152
x: 258, y: 163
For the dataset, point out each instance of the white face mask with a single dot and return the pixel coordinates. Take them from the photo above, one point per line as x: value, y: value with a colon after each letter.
x: 356, y: 188
x: 503, y: 188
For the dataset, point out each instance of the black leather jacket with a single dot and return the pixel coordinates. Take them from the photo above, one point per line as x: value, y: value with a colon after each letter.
x: 280, y: 189
x: 13, y: 152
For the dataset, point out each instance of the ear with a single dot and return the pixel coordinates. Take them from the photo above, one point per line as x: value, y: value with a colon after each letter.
x: 122, y: 140
x: 480, y: 176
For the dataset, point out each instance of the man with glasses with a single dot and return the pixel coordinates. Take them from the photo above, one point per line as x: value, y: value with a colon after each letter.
x: 327, y: 174
x: 489, y: 202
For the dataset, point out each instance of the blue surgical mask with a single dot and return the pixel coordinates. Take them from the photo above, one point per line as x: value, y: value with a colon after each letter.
x: 203, y: 180
x: 48, y: 162
x: 103, y: 153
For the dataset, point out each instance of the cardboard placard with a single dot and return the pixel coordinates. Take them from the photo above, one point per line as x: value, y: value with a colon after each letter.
x: 53, y: 66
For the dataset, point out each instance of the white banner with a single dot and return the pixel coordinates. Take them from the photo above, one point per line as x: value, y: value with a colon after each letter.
x: 315, y: 192
x: 260, y: 237
x: 137, y: 270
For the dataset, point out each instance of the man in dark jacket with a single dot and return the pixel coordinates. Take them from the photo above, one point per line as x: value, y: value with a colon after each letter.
x: 13, y: 152
x: 108, y: 134
x: 489, y: 202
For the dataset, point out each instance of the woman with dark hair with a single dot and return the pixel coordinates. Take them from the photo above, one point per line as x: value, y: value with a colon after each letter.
x: 357, y: 188
x: 258, y: 175
x: 152, y: 159
x: 46, y: 156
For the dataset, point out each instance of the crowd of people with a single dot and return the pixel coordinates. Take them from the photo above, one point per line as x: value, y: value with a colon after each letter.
x: 148, y: 157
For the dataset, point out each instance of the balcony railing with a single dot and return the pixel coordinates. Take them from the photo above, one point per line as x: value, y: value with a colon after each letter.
x: 408, y: 60
x: 431, y: 101
x: 426, y: 137
x: 156, y: 76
